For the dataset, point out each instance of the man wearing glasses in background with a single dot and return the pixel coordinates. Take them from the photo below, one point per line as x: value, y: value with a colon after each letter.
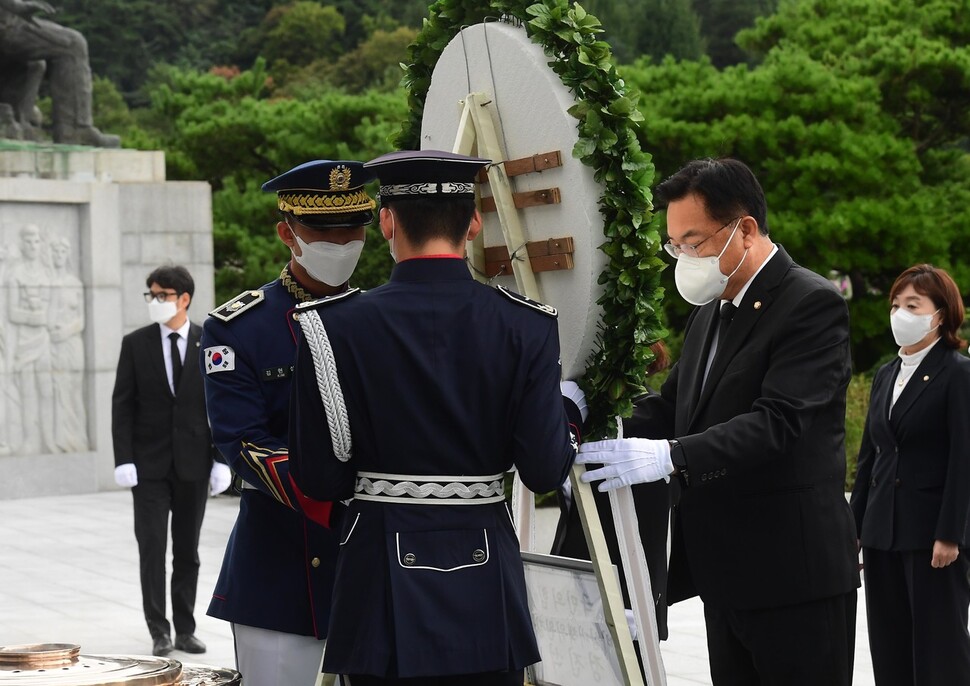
x: 163, y: 451
x: 751, y: 421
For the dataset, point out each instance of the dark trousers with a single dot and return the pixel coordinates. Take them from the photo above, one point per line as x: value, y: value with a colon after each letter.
x: 492, y: 679
x: 808, y: 644
x: 154, y: 499
x: 917, y: 618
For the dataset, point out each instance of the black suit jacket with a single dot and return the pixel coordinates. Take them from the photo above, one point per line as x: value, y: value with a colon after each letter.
x: 913, y: 483
x: 149, y: 426
x: 764, y: 521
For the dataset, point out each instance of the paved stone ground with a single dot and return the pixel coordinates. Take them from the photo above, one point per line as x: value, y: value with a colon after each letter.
x: 69, y: 574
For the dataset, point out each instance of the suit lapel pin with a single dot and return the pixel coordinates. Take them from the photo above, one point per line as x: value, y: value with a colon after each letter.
x: 926, y: 378
x: 757, y: 304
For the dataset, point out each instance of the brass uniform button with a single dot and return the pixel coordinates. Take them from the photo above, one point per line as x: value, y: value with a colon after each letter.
x: 315, y: 562
x: 478, y: 555
x: 410, y: 559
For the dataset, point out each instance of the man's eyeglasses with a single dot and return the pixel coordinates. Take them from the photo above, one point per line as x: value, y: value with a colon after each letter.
x: 159, y: 297
x: 678, y: 249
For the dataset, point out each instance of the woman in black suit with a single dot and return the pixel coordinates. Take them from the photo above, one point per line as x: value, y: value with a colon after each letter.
x: 911, y: 498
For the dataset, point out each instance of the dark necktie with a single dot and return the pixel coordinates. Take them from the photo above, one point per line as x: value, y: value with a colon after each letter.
x: 176, y: 360
x: 727, y: 314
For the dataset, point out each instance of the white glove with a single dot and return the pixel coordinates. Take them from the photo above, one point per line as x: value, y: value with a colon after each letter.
x: 632, y: 623
x: 571, y: 390
x: 126, y: 475
x: 626, y: 461
x: 219, y: 478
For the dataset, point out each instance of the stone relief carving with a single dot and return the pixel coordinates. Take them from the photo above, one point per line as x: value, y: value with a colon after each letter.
x: 66, y: 324
x: 30, y: 48
x: 42, y: 361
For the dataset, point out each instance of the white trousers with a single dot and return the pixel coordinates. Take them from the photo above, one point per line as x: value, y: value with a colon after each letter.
x: 272, y: 658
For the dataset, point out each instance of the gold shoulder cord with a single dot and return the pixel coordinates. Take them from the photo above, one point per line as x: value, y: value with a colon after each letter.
x: 294, y: 289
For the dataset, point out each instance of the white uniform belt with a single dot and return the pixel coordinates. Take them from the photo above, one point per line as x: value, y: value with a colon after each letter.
x: 424, y: 489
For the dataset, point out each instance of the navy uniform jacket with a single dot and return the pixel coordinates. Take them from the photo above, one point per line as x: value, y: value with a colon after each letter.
x: 441, y: 376
x: 278, y: 569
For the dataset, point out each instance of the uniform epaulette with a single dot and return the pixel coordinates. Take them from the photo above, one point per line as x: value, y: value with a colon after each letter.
x: 326, y: 300
x: 243, y: 302
x: 528, y: 302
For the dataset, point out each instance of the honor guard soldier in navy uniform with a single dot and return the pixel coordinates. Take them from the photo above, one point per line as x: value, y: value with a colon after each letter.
x: 277, y: 576
x: 417, y: 398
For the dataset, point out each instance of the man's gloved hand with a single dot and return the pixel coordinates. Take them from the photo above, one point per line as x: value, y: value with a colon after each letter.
x: 571, y: 390
x: 126, y: 475
x: 626, y: 461
x: 219, y: 478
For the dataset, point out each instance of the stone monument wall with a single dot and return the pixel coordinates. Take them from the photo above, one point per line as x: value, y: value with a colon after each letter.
x: 79, y: 232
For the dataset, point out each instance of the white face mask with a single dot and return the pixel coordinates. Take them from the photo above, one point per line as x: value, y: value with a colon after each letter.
x: 699, y: 279
x: 329, y: 263
x: 910, y: 329
x: 162, y: 313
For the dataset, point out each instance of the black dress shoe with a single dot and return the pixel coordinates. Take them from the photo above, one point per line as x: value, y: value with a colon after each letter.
x: 188, y: 643
x: 161, y: 646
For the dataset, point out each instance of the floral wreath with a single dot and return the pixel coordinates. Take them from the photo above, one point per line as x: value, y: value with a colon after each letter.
x: 631, y: 301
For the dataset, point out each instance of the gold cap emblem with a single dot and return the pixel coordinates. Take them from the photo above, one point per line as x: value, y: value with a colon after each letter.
x: 339, y: 178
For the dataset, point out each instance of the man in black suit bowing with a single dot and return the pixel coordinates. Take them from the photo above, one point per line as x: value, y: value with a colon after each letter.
x: 753, y: 424
x: 163, y: 451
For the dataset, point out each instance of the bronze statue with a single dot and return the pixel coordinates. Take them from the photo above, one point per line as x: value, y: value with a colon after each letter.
x: 31, y: 47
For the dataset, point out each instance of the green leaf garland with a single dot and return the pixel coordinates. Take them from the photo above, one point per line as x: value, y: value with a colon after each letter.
x: 616, y: 370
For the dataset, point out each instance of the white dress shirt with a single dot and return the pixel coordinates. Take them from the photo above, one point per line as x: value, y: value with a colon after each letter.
x: 736, y: 301
x: 906, y: 370
x: 183, y: 344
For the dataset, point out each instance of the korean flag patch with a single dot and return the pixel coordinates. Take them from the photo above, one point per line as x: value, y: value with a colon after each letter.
x: 219, y: 358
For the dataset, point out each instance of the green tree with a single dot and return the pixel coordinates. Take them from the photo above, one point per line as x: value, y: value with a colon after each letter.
x: 375, y: 64
x: 720, y: 21
x: 108, y: 107
x: 670, y: 28
x: 247, y: 250
x: 654, y: 28
x: 126, y: 38
x: 363, y: 17
x: 287, y: 27
x: 915, y: 50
